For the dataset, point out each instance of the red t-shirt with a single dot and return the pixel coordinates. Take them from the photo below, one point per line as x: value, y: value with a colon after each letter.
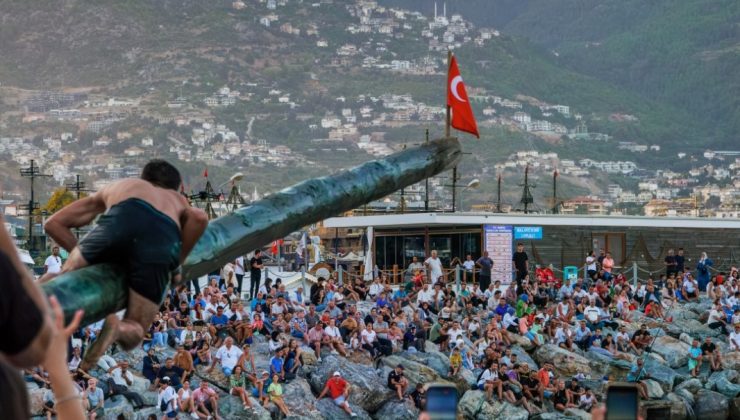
x: 336, y: 386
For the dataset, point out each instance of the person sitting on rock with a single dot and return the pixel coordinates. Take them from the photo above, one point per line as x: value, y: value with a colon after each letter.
x: 206, y: 401
x: 315, y: 338
x: 637, y: 375
x: 455, y: 361
x: 641, y: 339
x: 512, y: 388
x: 587, y: 400
x: 574, y: 391
x: 275, y: 391
x: 488, y: 381
x: 709, y: 352
x: 338, y: 389
x: 695, y: 358
x: 560, y: 398
x: 734, y: 338
x: 689, y: 288
x: 397, y: 382
x: 238, y: 387
x: 717, y: 318
x: 147, y: 225
x: 583, y: 336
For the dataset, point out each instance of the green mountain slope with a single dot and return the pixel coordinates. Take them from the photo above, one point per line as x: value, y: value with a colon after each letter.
x: 682, y: 52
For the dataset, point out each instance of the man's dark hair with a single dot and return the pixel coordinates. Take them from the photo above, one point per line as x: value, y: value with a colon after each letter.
x: 162, y: 174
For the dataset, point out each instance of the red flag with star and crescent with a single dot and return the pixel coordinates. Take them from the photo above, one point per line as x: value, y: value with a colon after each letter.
x: 457, y: 99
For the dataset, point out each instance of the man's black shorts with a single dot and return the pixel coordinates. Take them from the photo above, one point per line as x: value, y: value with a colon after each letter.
x: 142, y: 238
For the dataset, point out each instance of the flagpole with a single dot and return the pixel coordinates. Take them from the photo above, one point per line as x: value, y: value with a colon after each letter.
x: 447, y: 120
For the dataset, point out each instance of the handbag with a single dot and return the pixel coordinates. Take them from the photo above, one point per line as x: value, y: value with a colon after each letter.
x: 163, y: 406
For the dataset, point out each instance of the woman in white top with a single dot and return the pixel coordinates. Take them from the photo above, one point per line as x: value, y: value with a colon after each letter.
x: 591, y: 265
x: 184, y: 398
x: 335, y: 338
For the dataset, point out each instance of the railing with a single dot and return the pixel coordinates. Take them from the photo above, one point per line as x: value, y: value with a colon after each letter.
x: 397, y: 276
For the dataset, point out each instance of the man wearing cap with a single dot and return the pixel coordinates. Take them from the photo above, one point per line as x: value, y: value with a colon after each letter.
x: 397, y: 382
x: 167, y: 398
x: 338, y: 390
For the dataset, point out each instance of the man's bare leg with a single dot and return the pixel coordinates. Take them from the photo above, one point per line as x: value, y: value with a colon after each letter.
x: 128, y: 332
x: 139, y: 317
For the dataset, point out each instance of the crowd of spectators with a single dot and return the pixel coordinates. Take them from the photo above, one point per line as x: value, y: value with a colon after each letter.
x: 474, y: 324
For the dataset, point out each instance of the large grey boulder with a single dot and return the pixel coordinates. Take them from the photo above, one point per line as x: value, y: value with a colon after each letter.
x: 662, y: 373
x: 215, y: 377
x: 731, y: 360
x: 473, y: 405
x: 692, y: 327
x: 398, y: 410
x: 117, y: 408
x: 300, y: 400
x: 710, y: 405
x: 692, y: 385
x: 369, y: 391
x: 674, y: 351
x: 566, y: 363
x: 576, y: 413
x: 654, y: 390
x: 329, y: 410
x: 230, y: 407
x: 524, y: 357
x: 521, y: 341
x: 725, y: 382
x: 415, y: 371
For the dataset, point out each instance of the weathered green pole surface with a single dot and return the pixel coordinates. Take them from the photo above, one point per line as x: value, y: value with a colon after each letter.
x: 101, y: 289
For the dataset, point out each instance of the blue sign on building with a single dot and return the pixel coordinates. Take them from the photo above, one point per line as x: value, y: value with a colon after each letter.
x: 528, y: 232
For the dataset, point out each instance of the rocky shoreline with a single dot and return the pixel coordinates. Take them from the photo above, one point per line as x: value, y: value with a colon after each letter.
x: 673, y: 392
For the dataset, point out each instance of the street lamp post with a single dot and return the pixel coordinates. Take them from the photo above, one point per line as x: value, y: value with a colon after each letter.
x: 475, y: 183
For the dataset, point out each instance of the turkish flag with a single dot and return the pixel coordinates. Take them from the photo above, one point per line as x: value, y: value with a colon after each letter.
x: 457, y: 99
x: 205, y: 173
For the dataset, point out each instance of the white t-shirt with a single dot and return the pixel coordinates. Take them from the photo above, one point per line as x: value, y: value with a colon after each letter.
x: 487, y: 375
x: 590, y: 263
x: 591, y: 313
x: 368, y: 337
x: 168, y: 395
x: 469, y: 265
x: 376, y: 289
x: 714, y: 316
x: 332, y: 332
x: 735, y: 338
x: 229, y: 357
x: 435, y: 268
x: 239, y: 266
x: 425, y: 296
x: 53, y: 264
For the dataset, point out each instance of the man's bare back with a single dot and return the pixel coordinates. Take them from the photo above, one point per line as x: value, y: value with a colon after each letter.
x: 167, y: 201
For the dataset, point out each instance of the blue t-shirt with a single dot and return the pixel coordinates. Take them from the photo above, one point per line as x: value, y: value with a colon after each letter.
x: 276, y: 364
x: 95, y: 397
x: 219, y: 320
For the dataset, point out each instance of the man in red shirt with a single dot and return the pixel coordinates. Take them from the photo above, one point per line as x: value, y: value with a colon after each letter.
x: 338, y: 390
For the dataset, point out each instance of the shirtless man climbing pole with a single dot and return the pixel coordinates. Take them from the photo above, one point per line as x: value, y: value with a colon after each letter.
x: 147, y: 226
